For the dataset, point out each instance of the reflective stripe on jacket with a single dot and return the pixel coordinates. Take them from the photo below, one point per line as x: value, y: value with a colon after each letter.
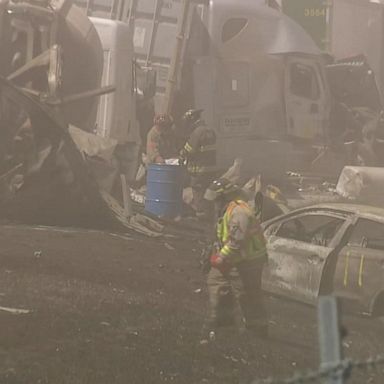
x: 240, y: 234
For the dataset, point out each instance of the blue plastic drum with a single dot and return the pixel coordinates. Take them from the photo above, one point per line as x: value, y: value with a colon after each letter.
x: 164, y: 190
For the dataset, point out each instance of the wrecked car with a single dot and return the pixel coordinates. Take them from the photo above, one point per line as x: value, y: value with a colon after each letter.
x: 328, y: 248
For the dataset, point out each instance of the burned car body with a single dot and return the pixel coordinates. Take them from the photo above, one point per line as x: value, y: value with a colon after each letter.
x: 328, y: 248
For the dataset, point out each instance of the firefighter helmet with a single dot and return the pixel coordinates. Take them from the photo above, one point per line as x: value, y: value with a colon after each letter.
x: 193, y: 117
x: 221, y: 188
x: 163, y: 120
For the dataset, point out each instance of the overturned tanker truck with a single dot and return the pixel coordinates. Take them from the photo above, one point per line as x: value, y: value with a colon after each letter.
x: 64, y: 157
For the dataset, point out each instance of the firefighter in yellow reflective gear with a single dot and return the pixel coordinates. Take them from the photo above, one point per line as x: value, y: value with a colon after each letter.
x: 237, y: 262
x: 199, y: 152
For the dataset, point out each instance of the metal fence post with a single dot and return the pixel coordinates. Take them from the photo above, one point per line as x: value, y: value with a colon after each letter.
x: 329, y: 337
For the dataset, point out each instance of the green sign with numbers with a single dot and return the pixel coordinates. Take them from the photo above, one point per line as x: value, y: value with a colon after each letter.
x: 311, y: 15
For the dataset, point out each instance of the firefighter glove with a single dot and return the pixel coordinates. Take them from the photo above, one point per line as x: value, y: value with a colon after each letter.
x: 219, y: 262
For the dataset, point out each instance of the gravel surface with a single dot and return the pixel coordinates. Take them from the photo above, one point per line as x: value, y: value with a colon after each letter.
x: 104, y: 309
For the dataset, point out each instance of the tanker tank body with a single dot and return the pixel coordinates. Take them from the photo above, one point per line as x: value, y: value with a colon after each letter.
x: 82, y: 67
x: 53, y: 49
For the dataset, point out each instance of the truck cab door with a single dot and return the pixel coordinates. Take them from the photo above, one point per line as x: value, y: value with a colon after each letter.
x: 307, y: 98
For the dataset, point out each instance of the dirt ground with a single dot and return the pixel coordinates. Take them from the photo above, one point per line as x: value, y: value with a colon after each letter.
x: 105, y: 309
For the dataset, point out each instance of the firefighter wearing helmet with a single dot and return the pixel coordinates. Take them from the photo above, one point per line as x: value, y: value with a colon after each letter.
x: 237, y: 261
x: 199, y: 152
x: 161, y: 140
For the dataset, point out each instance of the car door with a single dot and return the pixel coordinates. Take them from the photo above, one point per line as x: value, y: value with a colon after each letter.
x: 298, y: 248
x: 360, y: 268
x: 306, y: 98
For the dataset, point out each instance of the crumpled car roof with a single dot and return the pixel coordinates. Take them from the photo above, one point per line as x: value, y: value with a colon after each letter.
x: 371, y: 211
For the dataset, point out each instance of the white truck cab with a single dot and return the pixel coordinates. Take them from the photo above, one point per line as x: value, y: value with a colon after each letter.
x: 116, y: 117
x: 257, y: 74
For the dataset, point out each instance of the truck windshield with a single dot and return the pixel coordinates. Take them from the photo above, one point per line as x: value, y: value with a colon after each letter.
x: 232, y: 28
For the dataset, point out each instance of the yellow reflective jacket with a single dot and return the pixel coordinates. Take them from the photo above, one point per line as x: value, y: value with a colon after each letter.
x: 240, y: 234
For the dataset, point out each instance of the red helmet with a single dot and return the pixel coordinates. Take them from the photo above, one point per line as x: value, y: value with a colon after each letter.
x: 163, y: 120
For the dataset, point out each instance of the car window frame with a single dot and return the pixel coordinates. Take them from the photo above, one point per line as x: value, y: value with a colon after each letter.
x: 280, y: 221
x: 361, y: 245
